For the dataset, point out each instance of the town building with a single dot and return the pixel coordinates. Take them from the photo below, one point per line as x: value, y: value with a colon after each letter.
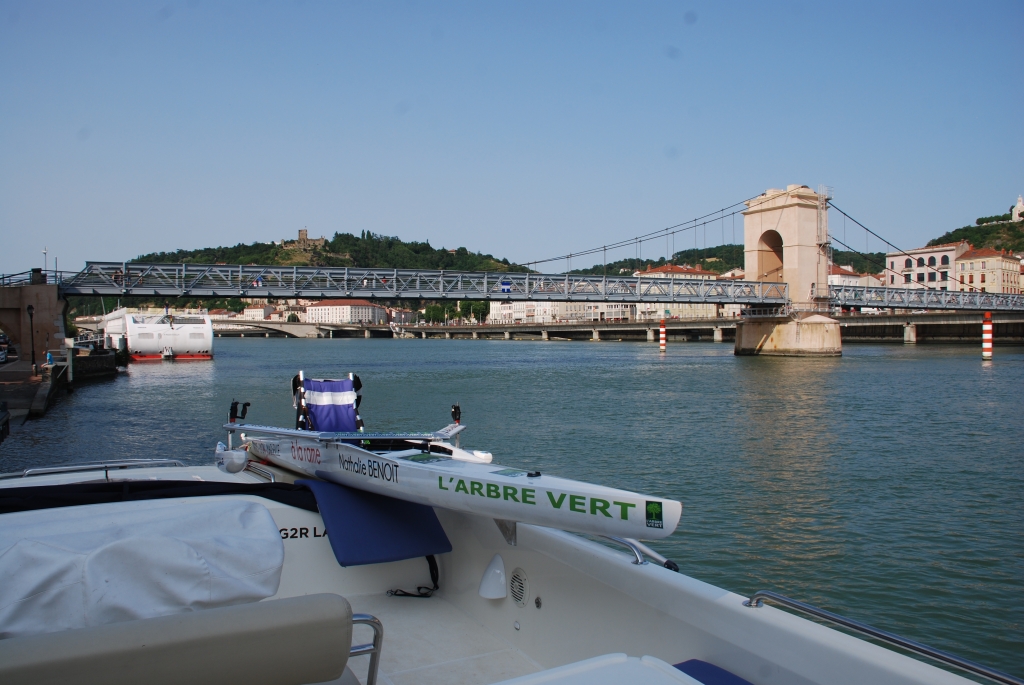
x: 654, y: 311
x: 258, y: 313
x: 989, y: 271
x: 292, y: 313
x: 616, y: 312
x: 924, y: 267
x: 842, y: 275
x: 845, y: 275
x: 516, y: 312
x: 346, y: 311
x: 519, y: 312
x: 222, y: 314
x: 402, y: 316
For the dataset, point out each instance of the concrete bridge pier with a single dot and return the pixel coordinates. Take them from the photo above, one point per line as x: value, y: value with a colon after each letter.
x: 812, y: 336
x: 423, y: 334
x: 650, y: 335
x: 910, y: 334
x: 544, y: 335
x: 476, y: 336
x: 597, y: 335
x: 447, y: 335
x: 366, y: 333
x: 718, y: 334
x: 508, y: 335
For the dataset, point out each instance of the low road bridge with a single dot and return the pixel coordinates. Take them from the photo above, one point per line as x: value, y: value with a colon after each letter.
x: 946, y: 326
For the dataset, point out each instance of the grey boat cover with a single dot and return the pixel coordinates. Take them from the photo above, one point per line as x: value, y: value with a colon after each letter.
x: 75, y: 567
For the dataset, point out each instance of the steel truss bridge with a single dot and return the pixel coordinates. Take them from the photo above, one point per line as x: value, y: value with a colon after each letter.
x: 921, y: 298
x: 175, y: 280
x: 201, y: 280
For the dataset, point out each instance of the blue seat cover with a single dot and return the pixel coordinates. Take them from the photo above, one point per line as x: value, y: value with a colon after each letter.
x: 367, y: 528
x: 709, y: 674
x: 331, y: 405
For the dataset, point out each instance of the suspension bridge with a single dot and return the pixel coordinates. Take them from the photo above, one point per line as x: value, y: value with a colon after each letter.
x: 787, y: 249
x: 122, y: 279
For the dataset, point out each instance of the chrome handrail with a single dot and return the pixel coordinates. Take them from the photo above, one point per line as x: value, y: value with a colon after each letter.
x: 758, y: 598
x: 373, y: 649
x: 639, y: 560
x: 650, y: 552
x: 92, y: 466
x: 266, y: 473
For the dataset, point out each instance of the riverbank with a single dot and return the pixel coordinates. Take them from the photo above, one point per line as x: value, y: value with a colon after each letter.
x: 23, y: 392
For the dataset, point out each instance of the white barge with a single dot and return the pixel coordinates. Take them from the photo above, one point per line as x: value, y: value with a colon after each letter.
x: 152, y: 337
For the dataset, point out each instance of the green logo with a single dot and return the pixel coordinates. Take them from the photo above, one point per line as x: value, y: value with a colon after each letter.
x: 654, y: 519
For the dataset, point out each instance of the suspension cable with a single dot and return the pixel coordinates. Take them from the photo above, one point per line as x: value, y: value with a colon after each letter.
x: 938, y: 270
x: 636, y: 241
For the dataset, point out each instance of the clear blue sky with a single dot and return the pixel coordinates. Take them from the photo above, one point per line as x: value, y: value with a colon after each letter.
x: 523, y: 129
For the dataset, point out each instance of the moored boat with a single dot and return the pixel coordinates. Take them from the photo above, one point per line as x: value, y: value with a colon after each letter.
x: 154, y: 337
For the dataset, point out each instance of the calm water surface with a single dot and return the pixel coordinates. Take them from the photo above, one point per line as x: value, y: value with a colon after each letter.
x: 886, y: 485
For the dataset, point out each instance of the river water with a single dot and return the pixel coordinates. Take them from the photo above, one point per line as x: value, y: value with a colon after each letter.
x: 886, y: 485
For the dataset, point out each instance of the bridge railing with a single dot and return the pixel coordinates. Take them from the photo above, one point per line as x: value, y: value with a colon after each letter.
x: 108, y: 278
x: 35, y: 277
x: 921, y: 298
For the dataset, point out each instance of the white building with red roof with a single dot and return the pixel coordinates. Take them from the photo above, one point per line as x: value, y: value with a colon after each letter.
x: 346, y: 311
x: 989, y: 271
x: 923, y: 267
x: 654, y: 311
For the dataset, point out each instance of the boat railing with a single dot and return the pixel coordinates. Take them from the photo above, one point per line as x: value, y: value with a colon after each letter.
x: 105, y: 466
x: 759, y: 598
x: 633, y: 547
x: 373, y: 648
x: 641, y: 551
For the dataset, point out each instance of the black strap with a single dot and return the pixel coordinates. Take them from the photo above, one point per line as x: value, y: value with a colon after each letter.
x: 422, y: 590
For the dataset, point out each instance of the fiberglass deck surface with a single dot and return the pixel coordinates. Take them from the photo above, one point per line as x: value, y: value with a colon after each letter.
x: 429, y: 641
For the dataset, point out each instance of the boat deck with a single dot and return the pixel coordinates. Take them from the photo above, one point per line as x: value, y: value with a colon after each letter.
x: 429, y: 641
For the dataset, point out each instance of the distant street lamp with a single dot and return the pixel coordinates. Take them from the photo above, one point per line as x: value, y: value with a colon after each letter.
x: 32, y: 335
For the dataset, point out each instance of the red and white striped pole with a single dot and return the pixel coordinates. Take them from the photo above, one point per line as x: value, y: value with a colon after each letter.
x: 986, y: 336
x: 662, y: 345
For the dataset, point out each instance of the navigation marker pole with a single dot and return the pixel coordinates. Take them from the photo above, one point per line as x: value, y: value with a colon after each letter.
x: 986, y: 337
x: 661, y: 346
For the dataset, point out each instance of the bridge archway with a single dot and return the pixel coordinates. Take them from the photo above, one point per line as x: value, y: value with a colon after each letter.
x: 770, y: 260
x: 784, y: 235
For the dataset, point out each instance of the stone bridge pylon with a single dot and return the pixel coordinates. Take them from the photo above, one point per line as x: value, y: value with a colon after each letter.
x: 785, y: 240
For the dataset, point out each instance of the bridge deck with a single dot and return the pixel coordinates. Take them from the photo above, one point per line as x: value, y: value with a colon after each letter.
x: 221, y: 280
x: 172, y: 280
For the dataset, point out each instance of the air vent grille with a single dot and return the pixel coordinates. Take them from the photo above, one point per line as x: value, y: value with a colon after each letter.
x: 519, y: 586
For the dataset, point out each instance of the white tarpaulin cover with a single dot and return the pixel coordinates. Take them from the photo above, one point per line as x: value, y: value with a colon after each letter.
x: 73, y: 567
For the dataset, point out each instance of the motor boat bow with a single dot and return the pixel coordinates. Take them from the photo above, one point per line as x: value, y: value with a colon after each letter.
x: 326, y: 552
